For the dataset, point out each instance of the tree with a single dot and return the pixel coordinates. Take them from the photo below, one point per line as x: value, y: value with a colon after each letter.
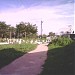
x: 12, y: 32
x: 3, y: 29
x: 25, y: 29
x: 51, y: 34
x: 20, y: 29
x: 44, y: 35
x: 31, y: 29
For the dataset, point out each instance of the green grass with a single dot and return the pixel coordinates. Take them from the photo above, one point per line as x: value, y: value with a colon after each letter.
x: 60, y: 60
x: 9, y: 53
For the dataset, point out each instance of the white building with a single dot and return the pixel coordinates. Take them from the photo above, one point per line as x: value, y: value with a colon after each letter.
x: 74, y: 29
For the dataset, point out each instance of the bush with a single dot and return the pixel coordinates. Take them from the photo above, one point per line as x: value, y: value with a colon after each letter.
x: 62, y: 41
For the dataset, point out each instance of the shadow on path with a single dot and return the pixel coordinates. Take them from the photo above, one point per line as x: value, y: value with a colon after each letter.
x: 9, y: 55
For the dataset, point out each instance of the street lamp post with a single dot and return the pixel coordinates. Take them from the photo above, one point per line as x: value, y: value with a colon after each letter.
x: 41, y: 30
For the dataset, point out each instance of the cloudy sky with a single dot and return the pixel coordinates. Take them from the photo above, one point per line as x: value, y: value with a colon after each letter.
x: 56, y: 15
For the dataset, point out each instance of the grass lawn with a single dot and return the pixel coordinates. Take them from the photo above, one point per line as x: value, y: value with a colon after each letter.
x: 9, y: 53
x: 60, y: 60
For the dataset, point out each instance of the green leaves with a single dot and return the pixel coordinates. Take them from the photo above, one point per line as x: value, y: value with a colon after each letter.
x: 22, y: 30
x: 5, y: 30
x: 26, y: 29
x: 62, y: 41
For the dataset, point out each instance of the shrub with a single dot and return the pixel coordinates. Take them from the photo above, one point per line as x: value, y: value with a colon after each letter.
x: 62, y: 41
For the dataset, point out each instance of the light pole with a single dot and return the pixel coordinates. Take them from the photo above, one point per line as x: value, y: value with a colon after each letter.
x: 41, y: 30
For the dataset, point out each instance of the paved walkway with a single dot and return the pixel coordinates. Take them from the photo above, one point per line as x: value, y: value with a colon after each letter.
x: 29, y: 64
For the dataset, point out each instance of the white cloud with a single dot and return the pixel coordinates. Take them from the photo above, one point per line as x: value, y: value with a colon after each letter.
x: 54, y: 18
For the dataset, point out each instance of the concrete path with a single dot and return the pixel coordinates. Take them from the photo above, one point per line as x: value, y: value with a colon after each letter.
x: 29, y: 64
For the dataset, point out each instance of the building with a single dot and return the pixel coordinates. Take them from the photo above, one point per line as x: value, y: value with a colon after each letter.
x: 72, y: 35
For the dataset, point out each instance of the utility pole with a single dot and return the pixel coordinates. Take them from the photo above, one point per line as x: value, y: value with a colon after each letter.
x: 41, y: 29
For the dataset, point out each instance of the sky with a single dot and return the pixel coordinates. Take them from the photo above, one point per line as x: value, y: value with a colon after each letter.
x: 56, y: 15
